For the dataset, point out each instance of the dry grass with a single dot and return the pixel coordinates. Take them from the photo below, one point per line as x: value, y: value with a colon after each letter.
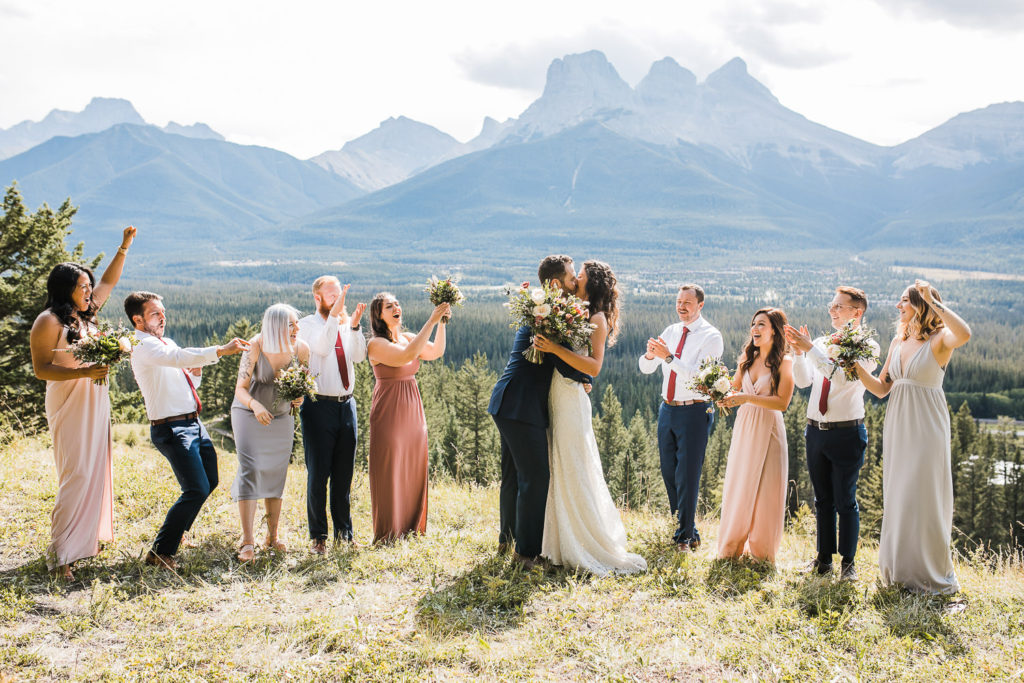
x: 447, y: 606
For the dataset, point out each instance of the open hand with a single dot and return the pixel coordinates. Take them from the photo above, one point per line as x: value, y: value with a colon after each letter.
x: 798, y: 339
x: 338, y: 309
x: 234, y: 346
x: 357, y: 316
x: 658, y: 348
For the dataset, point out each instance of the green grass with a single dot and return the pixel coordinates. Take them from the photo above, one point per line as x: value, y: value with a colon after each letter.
x: 447, y: 605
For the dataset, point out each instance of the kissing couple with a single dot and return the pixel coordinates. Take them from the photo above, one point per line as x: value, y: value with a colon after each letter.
x: 554, y: 500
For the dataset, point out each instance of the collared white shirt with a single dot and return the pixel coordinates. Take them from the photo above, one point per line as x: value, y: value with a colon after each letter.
x: 845, y: 398
x: 158, y: 369
x: 321, y: 335
x: 703, y: 340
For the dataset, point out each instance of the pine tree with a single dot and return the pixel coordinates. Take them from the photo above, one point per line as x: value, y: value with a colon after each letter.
x: 716, y: 457
x: 362, y: 393
x: 30, y: 246
x: 217, y: 390
x: 988, y: 528
x: 610, y: 431
x: 478, y: 445
x: 869, y: 486
x: 963, y: 432
x: 630, y: 478
x: 798, y: 490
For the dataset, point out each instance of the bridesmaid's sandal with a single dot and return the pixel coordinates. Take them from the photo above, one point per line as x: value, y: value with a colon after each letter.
x: 63, y: 573
x: 246, y: 553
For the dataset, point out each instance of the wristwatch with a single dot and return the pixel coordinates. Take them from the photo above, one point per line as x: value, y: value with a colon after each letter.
x: 668, y: 358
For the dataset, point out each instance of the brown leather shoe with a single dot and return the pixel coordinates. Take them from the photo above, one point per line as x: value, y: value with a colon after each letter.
x: 695, y: 545
x: 527, y: 563
x: 319, y: 547
x: 162, y: 561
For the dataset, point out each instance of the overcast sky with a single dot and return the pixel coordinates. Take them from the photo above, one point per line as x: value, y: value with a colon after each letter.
x: 305, y: 77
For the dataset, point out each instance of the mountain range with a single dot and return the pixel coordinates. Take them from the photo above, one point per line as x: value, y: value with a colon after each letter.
x: 672, y: 165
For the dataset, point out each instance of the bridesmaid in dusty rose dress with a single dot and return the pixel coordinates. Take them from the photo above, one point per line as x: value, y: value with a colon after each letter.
x: 754, y: 493
x: 77, y: 410
x: 398, y: 427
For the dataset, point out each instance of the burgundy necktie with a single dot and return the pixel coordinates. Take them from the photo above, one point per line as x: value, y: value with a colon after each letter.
x: 823, y: 398
x: 195, y: 395
x: 339, y: 351
x: 672, y: 375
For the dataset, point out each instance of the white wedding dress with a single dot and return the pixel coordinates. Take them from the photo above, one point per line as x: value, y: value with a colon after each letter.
x: 582, y: 527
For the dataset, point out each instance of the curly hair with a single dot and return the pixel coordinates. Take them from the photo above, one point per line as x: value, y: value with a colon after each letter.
x: 925, y: 321
x: 379, y: 328
x: 750, y: 352
x: 60, y: 285
x: 603, y: 295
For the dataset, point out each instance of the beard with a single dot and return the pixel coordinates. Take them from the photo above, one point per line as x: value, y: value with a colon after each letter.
x: 323, y: 309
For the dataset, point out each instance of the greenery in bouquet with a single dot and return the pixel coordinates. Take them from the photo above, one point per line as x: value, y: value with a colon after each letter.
x: 561, y: 317
x: 714, y: 381
x: 105, y: 345
x: 444, y: 291
x: 849, y: 345
x: 295, y: 382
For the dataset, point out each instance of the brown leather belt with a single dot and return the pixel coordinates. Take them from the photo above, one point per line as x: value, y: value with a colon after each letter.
x: 174, y: 418
x: 825, y: 426
x: 686, y: 403
x: 333, y: 399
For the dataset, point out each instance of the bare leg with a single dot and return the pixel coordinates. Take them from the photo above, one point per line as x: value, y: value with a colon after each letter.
x: 246, y: 511
x: 273, y: 506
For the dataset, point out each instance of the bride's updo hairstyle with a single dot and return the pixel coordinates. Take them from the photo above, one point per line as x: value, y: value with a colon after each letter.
x: 925, y: 321
x: 379, y: 328
x: 603, y: 295
x: 60, y: 285
x: 777, y: 319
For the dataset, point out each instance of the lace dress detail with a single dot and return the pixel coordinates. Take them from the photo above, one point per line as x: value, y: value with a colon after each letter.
x: 582, y: 527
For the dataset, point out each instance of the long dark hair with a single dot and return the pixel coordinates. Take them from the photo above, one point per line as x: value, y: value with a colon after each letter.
x: 603, y: 295
x: 379, y: 328
x: 60, y: 286
x: 773, y: 362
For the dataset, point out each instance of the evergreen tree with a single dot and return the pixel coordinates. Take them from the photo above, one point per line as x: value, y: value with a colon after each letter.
x: 869, y: 486
x: 630, y: 478
x: 362, y: 393
x: 963, y: 432
x: 479, y: 436
x: 987, y: 526
x: 716, y: 457
x: 217, y: 390
x: 799, y: 490
x: 30, y: 246
x: 609, y: 430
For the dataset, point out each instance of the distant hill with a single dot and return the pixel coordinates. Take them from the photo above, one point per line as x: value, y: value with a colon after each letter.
x: 199, y: 197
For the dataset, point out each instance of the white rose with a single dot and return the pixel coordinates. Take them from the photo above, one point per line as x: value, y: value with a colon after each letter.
x: 834, y: 350
x: 542, y: 310
x: 126, y: 344
x: 723, y: 385
x: 537, y: 295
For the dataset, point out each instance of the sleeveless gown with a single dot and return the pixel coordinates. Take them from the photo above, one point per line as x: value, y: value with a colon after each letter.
x: 754, y: 492
x: 398, y: 453
x: 78, y: 414
x: 917, y: 478
x: 582, y: 527
x: 263, y: 450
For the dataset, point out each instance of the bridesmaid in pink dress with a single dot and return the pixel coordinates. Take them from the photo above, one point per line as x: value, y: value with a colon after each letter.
x: 398, y: 427
x: 77, y: 410
x: 754, y: 493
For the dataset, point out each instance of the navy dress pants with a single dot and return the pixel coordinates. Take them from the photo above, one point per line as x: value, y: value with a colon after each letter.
x: 329, y: 437
x: 683, y: 433
x: 187, y: 447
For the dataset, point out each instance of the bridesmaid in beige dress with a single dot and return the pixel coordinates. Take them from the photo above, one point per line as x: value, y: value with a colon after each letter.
x: 754, y: 493
x: 77, y: 410
x: 398, y: 427
x: 917, y: 478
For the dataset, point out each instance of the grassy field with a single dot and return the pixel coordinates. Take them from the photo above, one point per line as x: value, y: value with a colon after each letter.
x: 448, y: 606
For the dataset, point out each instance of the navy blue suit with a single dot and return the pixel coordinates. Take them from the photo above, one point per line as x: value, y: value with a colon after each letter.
x: 519, y: 407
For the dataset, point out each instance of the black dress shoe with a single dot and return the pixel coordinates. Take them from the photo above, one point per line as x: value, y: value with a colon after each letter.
x: 527, y: 563
x: 847, y: 572
x: 818, y: 567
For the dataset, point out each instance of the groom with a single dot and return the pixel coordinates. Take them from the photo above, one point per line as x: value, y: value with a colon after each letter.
x: 519, y: 407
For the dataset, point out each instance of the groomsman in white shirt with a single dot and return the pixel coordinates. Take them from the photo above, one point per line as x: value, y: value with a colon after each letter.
x: 168, y: 376
x: 329, y: 429
x: 684, y: 420
x: 836, y: 436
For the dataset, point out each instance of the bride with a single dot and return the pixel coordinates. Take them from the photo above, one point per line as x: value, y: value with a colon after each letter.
x: 582, y: 527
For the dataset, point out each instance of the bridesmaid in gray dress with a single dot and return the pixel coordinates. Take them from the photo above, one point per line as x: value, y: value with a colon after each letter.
x: 263, y: 425
x: 917, y: 480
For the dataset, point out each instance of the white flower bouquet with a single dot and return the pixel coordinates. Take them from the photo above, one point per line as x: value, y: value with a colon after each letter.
x: 561, y: 317
x: 444, y: 291
x: 849, y: 345
x: 714, y: 381
x: 105, y: 345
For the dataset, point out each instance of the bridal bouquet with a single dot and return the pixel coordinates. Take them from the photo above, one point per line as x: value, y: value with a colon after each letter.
x: 561, y: 317
x: 444, y: 292
x: 848, y: 345
x: 104, y: 345
x: 295, y: 382
x: 714, y: 381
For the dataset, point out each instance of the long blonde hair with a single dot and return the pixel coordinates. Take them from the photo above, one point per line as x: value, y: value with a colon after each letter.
x: 925, y: 321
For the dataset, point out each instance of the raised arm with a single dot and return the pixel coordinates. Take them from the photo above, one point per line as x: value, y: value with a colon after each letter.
x: 43, y: 340
x: 589, y: 365
x: 384, y: 352
x: 955, y: 332
x: 435, y: 349
x: 113, y: 271
x: 650, y: 360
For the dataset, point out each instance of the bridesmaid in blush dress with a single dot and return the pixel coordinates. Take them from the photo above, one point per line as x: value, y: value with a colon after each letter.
x: 77, y: 410
x: 398, y: 427
x: 917, y: 477
x: 754, y: 493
